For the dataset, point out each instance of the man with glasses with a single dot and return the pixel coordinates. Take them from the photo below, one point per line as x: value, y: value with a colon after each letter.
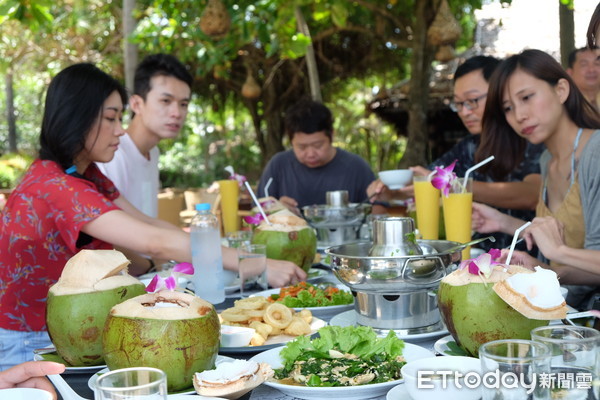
x: 301, y: 176
x: 515, y: 194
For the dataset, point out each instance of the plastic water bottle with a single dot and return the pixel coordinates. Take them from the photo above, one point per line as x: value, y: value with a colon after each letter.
x: 206, y: 255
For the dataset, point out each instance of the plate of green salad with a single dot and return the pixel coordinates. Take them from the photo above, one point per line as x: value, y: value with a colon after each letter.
x: 342, y: 363
x: 320, y: 299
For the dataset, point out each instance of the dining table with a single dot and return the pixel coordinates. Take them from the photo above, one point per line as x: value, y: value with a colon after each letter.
x: 79, y: 382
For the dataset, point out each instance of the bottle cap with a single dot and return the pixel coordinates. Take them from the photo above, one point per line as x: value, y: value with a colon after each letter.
x: 202, y: 206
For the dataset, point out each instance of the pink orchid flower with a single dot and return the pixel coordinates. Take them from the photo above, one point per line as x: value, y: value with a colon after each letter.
x: 239, y: 178
x: 255, y: 219
x: 481, y: 265
x: 159, y: 283
x: 444, y: 177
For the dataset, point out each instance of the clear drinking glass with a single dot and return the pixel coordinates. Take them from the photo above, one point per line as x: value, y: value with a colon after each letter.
x: 138, y: 383
x: 238, y: 238
x: 512, y: 370
x: 252, y: 267
x: 575, y: 362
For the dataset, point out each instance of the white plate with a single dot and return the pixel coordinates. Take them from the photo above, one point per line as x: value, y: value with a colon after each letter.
x: 220, y: 359
x: 314, y: 310
x: 399, y: 392
x: 411, y: 352
x: 273, y: 341
x: 441, y: 346
x: 235, y: 286
x: 53, y: 356
x: 315, y: 274
x: 348, y: 318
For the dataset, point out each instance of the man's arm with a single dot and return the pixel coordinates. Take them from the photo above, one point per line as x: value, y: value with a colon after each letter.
x: 516, y: 195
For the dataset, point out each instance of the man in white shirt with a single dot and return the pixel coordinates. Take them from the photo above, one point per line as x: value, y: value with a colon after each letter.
x: 161, y: 94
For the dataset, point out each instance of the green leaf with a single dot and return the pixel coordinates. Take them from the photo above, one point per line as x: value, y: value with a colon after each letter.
x: 339, y: 13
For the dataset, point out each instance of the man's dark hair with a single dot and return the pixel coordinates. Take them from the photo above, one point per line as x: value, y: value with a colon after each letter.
x: 573, y: 55
x: 158, y: 65
x: 308, y: 116
x: 486, y: 64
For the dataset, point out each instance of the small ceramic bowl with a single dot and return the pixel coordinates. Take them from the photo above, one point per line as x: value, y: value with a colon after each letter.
x: 229, y: 277
x: 236, y: 336
x: 396, y: 178
x: 24, y: 394
x: 431, y: 383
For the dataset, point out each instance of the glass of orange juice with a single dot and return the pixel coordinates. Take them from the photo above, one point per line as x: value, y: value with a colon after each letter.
x: 427, y: 203
x: 230, y: 193
x: 458, y: 206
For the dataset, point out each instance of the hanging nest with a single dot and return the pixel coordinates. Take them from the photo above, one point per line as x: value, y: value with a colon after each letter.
x: 445, y: 53
x: 215, y: 21
x: 250, y: 89
x: 445, y: 28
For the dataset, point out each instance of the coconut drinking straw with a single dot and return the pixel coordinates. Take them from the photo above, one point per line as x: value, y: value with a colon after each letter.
x: 514, y: 241
x: 267, y: 186
x: 262, y: 212
x: 473, y: 168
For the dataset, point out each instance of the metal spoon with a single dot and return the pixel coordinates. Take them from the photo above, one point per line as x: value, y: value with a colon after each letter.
x: 472, y: 242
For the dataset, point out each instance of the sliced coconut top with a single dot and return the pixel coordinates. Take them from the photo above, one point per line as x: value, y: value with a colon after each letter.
x: 269, y: 204
x: 462, y: 277
x: 284, y: 221
x: 536, y: 295
x: 165, y: 305
x: 86, y: 271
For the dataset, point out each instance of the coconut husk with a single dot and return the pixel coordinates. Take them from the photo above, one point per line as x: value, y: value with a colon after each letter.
x: 215, y: 20
x: 445, y: 28
x: 520, y: 303
x: 236, y: 388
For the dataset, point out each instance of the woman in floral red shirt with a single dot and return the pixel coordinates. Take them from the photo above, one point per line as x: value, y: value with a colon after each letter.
x: 65, y: 204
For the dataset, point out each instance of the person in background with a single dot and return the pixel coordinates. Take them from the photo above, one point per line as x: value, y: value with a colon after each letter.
x: 162, y: 91
x: 64, y: 204
x: 532, y: 97
x: 511, y: 182
x: 584, y: 69
x: 161, y: 95
x: 31, y: 374
x: 301, y: 176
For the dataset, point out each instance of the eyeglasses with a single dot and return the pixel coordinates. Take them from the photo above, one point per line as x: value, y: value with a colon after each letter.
x: 470, y: 104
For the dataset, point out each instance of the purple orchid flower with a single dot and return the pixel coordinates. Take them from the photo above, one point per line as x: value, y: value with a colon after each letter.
x: 481, y: 265
x: 170, y: 283
x: 239, y: 178
x: 444, y: 177
x: 255, y: 219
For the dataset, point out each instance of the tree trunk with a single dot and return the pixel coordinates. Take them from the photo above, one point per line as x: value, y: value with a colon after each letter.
x: 130, y: 50
x: 567, y: 32
x: 418, y: 135
x: 10, y: 112
x: 311, y: 62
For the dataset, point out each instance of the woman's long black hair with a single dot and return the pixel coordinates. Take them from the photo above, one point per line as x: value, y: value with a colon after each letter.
x: 497, y: 137
x: 73, y: 104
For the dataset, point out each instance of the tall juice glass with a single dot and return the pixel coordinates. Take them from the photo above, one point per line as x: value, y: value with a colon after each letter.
x: 458, y: 206
x: 230, y: 193
x: 427, y: 202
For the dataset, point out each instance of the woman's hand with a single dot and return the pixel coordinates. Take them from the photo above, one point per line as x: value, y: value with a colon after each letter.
x: 283, y: 273
x: 377, y: 191
x: 486, y: 219
x: 548, y: 234
x: 31, y: 374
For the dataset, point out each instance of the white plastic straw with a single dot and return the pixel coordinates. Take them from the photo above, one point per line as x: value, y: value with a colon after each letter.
x: 473, y: 168
x: 514, y: 241
x: 267, y: 186
x: 262, y: 212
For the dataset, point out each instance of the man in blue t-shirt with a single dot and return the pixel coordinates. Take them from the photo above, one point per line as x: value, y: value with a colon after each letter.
x: 301, y: 176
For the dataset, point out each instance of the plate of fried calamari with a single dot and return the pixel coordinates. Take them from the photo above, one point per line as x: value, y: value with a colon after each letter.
x: 274, y: 323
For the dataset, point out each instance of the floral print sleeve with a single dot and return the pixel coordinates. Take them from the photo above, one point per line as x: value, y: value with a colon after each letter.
x: 41, y: 223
